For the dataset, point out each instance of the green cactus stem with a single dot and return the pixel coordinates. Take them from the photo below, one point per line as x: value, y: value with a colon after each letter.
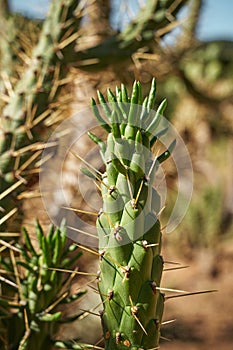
x: 33, y: 100
x: 33, y: 284
x: 153, y: 19
x: 128, y: 227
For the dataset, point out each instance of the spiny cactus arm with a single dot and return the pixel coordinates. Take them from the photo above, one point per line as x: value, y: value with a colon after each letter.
x: 31, y: 102
x: 129, y: 230
x: 39, y: 288
x: 152, y: 17
x: 18, y: 35
x: 54, y: 48
x: 7, y: 54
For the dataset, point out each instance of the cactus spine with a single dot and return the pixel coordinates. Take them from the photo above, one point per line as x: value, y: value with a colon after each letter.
x: 129, y: 230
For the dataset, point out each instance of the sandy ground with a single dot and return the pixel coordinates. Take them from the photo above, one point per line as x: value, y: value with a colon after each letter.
x: 202, y: 321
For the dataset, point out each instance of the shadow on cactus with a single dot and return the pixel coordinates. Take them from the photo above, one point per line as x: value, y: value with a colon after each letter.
x: 33, y: 290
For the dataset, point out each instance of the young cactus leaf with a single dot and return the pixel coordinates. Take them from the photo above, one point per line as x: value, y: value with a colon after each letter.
x: 104, y: 105
x: 157, y: 136
x: 124, y: 92
x: 155, y: 122
x: 116, y: 131
x: 165, y: 155
x: 98, y: 141
x: 133, y: 110
x: 118, y: 165
x: 89, y: 174
x: 152, y: 94
x: 100, y: 120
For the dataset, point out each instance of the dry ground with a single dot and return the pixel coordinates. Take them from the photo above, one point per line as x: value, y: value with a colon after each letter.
x: 202, y: 321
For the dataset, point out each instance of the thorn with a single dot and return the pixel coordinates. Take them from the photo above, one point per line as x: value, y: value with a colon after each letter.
x: 5, y: 272
x: 154, y: 287
x: 55, y: 303
x: 171, y: 290
x: 114, y: 261
x: 29, y: 194
x: 3, y: 279
x: 90, y: 312
x: 7, y: 83
x: 139, y: 191
x: 191, y: 293
x: 26, y: 320
x: 134, y: 311
x: 81, y: 231
x: 68, y: 41
x: 81, y: 211
x: 72, y: 271
x: 9, y: 234
x: 11, y: 189
x: 88, y: 249
x: 99, y: 341
x: 159, y: 213
x: 171, y: 262
x: 28, y: 162
x: 168, y: 322
x: 16, y: 273
x: 176, y: 268
x: 8, y: 245
x: 85, y: 162
x: 164, y: 338
x: 129, y: 186
x: 42, y: 116
x: 33, y: 147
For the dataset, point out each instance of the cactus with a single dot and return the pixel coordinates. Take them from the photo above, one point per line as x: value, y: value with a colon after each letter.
x: 152, y: 21
x: 33, y: 101
x: 128, y: 226
x: 34, y: 288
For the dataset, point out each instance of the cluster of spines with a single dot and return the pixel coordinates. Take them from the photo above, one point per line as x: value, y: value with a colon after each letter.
x: 128, y: 227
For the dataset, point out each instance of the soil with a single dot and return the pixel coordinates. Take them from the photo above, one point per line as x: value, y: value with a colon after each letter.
x: 201, y: 321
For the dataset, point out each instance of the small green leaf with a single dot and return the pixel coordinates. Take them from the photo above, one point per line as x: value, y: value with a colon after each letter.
x: 100, y: 120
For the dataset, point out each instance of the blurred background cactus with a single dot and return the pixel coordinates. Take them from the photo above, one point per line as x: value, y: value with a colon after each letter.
x: 33, y: 289
x: 51, y: 67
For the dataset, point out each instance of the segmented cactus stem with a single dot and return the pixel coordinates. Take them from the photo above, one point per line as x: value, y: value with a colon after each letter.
x: 128, y: 227
x: 38, y: 287
x: 33, y: 101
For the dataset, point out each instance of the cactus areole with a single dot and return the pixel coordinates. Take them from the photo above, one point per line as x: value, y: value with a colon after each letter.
x: 128, y: 227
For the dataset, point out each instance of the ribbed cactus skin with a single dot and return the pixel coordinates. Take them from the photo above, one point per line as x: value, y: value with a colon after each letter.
x: 31, y: 103
x: 129, y: 230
